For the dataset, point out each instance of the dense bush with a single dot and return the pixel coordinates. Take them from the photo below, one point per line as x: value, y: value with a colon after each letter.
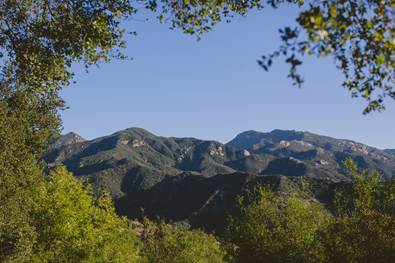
x: 364, y: 236
x: 165, y: 243
x: 72, y: 226
x: 359, y: 226
x: 276, y: 228
x: 363, y: 229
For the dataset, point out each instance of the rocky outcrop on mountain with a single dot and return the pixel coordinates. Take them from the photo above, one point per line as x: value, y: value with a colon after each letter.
x: 67, y: 139
x: 318, y: 153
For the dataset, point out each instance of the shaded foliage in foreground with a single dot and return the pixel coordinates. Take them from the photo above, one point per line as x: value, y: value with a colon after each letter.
x: 67, y: 223
x: 358, y: 227
x: 165, y: 243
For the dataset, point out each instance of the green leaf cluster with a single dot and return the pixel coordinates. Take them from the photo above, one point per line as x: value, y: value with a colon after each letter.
x: 359, y: 35
x: 196, y: 17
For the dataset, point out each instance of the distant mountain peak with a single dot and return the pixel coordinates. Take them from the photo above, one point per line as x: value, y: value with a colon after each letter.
x: 135, y: 132
x: 252, y: 137
x: 67, y: 139
x: 72, y: 137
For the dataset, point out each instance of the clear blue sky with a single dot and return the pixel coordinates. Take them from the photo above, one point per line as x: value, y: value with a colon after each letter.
x: 214, y: 89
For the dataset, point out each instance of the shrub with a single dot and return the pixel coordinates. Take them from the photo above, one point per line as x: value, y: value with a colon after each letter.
x: 364, y: 227
x: 72, y: 226
x: 276, y: 228
x: 165, y: 243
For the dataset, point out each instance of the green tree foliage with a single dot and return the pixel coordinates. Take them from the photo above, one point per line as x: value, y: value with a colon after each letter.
x: 39, y: 40
x: 364, y: 227
x: 197, y: 17
x: 277, y: 228
x: 365, y: 236
x: 19, y: 176
x: 71, y: 226
x: 165, y: 243
x: 358, y: 227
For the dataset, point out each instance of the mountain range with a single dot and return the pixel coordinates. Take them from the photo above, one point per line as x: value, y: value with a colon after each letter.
x: 198, y: 180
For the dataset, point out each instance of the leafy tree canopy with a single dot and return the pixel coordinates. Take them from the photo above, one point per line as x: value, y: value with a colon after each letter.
x: 20, y: 174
